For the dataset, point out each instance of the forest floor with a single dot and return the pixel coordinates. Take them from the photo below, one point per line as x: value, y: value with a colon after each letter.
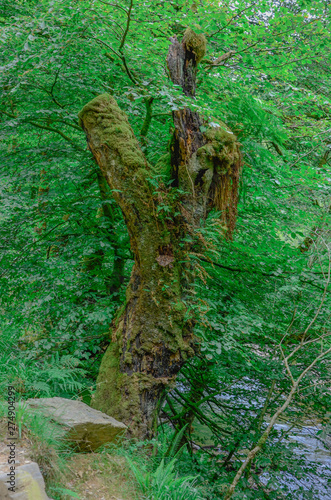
x: 99, y: 475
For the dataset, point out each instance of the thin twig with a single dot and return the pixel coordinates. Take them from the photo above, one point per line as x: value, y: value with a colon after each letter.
x: 127, y: 26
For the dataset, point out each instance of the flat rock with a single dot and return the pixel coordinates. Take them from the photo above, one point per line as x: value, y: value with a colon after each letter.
x: 82, y: 425
x: 27, y: 483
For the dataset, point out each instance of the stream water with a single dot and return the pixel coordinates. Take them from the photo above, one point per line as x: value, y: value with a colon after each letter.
x: 310, y: 443
x: 314, y: 448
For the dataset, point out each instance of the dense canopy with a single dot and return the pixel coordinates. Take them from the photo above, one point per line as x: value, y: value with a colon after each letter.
x: 255, y: 324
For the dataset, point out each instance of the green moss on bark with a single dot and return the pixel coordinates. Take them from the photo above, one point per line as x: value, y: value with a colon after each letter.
x: 197, y: 43
x: 108, y: 382
x: 221, y: 150
x: 113, y: 129
x: 117, y: 393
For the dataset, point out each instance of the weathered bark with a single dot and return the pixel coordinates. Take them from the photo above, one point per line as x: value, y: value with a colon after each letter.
x: 207, y: 165
x: 150, y: 341
x: 153, y: 332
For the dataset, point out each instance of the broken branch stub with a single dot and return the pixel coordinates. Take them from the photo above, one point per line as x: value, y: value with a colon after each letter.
x: 207, y: 165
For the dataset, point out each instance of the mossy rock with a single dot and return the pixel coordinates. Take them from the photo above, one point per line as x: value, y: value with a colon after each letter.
x: 86, y: 428
x: 28, y: 483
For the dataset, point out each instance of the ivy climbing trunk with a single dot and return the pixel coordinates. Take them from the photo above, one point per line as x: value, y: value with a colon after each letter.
x: 152, y: 335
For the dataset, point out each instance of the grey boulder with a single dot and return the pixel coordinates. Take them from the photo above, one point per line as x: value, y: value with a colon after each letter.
x: 82, y: 425
x: 28, y: 483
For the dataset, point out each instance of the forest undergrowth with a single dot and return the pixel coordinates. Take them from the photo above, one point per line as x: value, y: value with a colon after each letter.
x: 230, y: 427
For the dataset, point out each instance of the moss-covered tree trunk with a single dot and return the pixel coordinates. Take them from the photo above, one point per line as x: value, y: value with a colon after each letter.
x: 153, y: 332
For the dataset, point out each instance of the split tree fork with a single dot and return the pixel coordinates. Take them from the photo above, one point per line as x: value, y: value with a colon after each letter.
x: 152, y: 336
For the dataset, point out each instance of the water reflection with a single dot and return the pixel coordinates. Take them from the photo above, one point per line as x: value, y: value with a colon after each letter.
x: 315, y: 450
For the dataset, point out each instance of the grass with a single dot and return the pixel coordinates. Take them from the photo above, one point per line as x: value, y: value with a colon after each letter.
x: 101, y: 476
x: 128, y: 471
x: 68, y: 475
x: 38, y: 441
x: 164, y: 483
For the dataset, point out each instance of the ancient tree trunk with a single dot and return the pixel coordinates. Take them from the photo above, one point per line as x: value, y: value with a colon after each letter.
x: 153, y: 332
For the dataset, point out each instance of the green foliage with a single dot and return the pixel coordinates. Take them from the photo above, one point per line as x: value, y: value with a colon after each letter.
x: 65, y: 256
x: 157, y: 475
x: 163, y: 483
x: 64, y: 492
x: 60, y: 375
